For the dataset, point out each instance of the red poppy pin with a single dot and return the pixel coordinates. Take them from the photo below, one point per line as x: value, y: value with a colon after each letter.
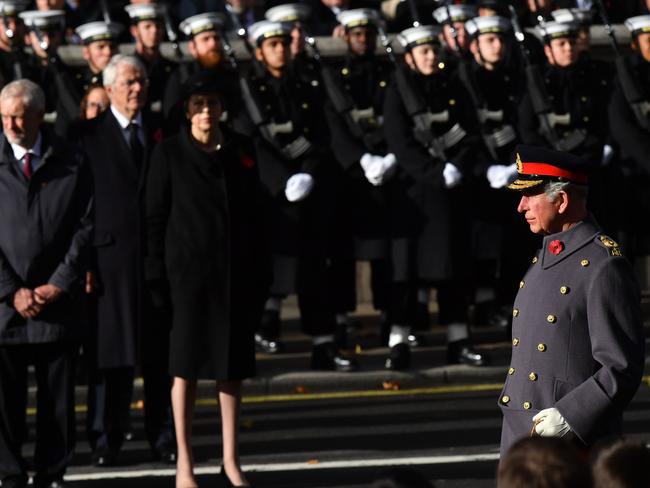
x: 158, y: 135
x: 247, y: 161
x: 556, y: 247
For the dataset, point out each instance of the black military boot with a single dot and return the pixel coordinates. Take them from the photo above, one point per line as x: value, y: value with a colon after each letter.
x: 326, y: 356
x: 399, y: 357
x: 267, y: 338
x: 463, y: 352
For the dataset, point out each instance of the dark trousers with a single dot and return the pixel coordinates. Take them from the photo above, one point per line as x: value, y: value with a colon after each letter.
x: 109, y: 402
x: 54, y: 366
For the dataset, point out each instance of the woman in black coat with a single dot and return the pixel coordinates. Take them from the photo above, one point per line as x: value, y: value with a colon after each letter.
x: 206, y: 265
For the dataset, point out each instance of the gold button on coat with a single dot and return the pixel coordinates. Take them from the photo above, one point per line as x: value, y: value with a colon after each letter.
x: 521, y: 284
x: 505, y: 399
x: 541, y: 347
x: 584, y: 263
x: 511, y: 371
x: 551, y: 319
x: 515, y: 342
x: 527, y: 405
x: 532, y: 376
x: 515, y: 312
x: 534, y: 259
x: 564, y: 290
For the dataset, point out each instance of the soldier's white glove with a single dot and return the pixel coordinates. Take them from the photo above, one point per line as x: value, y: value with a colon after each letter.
x: 500, y: 175
x: 452, y: 175
x: 550, y: 423
x: 381, y: 169
x: 298, y: 187
x: 608, y: 154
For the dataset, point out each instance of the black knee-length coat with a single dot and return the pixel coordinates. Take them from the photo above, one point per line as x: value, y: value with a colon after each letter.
x: 206, y: 257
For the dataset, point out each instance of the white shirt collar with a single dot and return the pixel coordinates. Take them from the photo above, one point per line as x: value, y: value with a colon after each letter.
x: 19, y: 151
x: 123, y: 121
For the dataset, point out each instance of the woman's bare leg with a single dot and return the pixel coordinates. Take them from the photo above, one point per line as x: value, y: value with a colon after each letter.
x: 183, y: 398
x: 230, y: 401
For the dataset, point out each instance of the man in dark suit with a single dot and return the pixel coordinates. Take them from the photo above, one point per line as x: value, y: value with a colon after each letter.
x: 577, y: 335
x: 118, y: 147
x: 46, y: 222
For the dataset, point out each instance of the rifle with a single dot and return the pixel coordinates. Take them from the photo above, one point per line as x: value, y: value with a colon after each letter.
x: 105, y: 12
x: 631, y: 90
x: 17, y: 67
x: 172, y: 35
x: 268, y: 129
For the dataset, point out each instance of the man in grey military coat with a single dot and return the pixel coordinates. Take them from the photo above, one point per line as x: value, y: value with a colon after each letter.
x: 577, y: 336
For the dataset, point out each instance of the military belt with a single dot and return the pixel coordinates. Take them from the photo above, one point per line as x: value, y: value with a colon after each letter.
x: 501, y: 137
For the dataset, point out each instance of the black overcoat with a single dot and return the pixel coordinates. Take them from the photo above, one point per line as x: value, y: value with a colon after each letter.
x: 206, y: 246
x: 46, y: 230
x: 118, y: 246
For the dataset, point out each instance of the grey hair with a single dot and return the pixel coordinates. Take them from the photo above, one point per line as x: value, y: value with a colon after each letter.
x: 110, y: 72
x: 32, y: 94
x: 553, y: 188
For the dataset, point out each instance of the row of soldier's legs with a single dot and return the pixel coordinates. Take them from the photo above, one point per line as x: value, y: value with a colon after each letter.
x: 54, y: 366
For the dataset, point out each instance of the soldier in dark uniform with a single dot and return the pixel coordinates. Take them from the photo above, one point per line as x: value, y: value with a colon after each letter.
x: 148, y: 30
x: 355, y: 115
x: 45, y: 33
x: 13, y: 59
x: 100, y: 43
x: 629, y: 123
x: 435, y: 152
x: 290, y: 147
x: 459, y: 15
x: 204, y: 32
x: 581, y: 17
x: 578, y: 91
x: 577, y: 335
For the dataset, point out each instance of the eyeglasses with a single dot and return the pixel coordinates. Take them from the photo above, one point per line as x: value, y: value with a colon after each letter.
x: 144, y: 82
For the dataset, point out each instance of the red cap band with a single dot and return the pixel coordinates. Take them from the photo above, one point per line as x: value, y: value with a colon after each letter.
x: 543, y: 169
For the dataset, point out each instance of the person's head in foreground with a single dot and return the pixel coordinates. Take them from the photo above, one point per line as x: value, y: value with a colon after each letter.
x: 622, y: 465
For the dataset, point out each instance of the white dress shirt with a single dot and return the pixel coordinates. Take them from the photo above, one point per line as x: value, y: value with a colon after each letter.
x: 124, y: 124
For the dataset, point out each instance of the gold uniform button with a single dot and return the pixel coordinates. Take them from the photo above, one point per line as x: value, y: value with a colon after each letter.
x: 452, y: 102
x: 505, y: 399
x: 534, y: 259
x: 305, y: 106
x: 541, y: 347
x: 511, y: 371
x: 584, y: 263
x: 262, y: 88
x: 532, y: 376
x: 527, y: 405
x: 564, y: 290
x: 382, y: 84
x: 345, y: 71
x: 515, y: 342
x: 583, y: 99
x: 515, y: 312
x: 551, y: 319
x: 521, y: 284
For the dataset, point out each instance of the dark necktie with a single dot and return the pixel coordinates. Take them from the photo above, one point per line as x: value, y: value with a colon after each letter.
x: 27, y: 166
x: 136, y: 146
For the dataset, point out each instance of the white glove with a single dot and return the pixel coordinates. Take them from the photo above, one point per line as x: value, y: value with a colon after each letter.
x: 550, y: 423
x: 380, y: 169
x: 298, y: 187
x: 608, y: 154
x: 452, y: 175
x: 499, y: 175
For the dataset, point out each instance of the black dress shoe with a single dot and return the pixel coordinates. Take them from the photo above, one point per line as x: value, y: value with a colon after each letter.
x: 327, y: 357
x: 267, y: 345
x: 399, y: 358
x: 14, y: 481
x: 165, y: 454
x: 462, y: 352
x: 104, y: 458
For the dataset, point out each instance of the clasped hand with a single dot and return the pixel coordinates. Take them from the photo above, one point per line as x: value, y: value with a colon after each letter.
x: 29, y: 303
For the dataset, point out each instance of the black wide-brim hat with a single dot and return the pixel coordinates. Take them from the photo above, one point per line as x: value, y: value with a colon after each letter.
x: 203, y: 82
x: 537, y: 166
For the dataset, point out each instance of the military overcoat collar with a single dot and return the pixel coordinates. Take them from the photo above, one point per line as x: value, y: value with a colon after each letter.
x: 571, y: 241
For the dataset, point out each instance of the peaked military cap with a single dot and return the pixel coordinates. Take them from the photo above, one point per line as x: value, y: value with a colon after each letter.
x: 13, y: 7
x: 492, y: 24
x: 359, y: 17
x: 556, y: 30
x: 638, y: 25
x: 582, y: 16
x: 416, y: 36
x: 44, y: 20
x: 265, y: 29
x: 289, y: 12
x: 208, y: 21
x: 145, y: 11
x: 98, y: 31
x: 537, y: 166
x: 458, y: 13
